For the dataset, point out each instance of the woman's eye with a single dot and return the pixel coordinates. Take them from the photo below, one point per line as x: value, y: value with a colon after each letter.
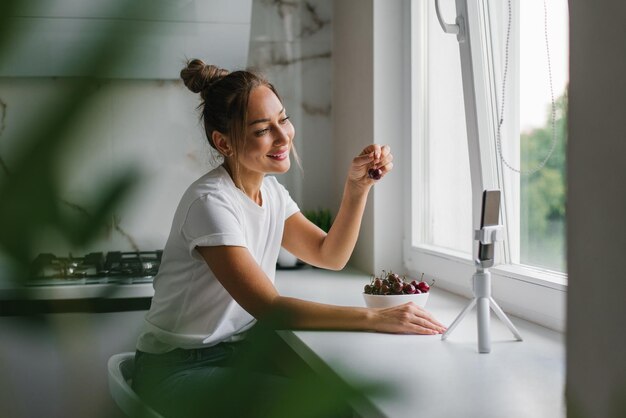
x: 262, y: 132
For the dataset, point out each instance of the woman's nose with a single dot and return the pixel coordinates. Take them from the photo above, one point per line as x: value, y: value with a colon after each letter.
x: 282, y: 134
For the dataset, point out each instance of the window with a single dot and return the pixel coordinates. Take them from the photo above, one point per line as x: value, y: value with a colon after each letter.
x: 533, y: 206
x: 542, y: 196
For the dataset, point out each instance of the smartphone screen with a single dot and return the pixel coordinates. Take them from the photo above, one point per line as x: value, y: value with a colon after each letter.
x: 490, y: 216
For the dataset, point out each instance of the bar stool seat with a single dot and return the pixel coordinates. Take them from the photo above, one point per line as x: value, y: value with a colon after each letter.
x: 120, y: 371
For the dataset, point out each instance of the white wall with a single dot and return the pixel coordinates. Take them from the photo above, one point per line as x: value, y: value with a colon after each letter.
x: 392, y: 87
x: 371, y: 98
x: 596, y: 211
x: 353, y: 105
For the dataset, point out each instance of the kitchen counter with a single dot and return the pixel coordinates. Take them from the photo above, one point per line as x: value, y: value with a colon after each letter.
x: 430, y: 377
x: 78, y: 289
x: 77, y: 295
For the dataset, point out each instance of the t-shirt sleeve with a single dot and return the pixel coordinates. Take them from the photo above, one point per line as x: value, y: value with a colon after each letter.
x: 291, y: 207
x: 211, y: 221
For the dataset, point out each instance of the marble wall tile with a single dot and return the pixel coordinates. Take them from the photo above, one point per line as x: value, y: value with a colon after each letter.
x: 291, y: 44
x: 151, y: 126
x: 291, y: 20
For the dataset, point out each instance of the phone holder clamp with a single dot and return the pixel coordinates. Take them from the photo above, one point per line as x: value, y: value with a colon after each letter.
x: 489, y: 234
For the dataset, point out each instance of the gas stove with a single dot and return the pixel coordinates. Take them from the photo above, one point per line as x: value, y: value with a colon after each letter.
x: 119, y: 267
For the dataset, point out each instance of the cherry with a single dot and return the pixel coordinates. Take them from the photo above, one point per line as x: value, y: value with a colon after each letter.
x: 397, y: 287
x: 409, y: 289
x: 375, y: 173
x: 423, y: 286
x: 394, y: 284
x: 394, y: 277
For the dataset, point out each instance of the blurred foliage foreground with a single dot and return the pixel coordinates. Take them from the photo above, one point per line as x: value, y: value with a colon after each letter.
x: 301, y: 392
x: 31, y: 206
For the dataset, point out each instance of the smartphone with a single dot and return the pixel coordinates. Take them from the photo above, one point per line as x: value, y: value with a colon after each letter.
x: 490, y: 215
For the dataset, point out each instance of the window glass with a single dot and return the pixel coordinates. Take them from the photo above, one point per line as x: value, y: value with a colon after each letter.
x: 535, y: 130
x: 542, y: 223
x: 444, y: 207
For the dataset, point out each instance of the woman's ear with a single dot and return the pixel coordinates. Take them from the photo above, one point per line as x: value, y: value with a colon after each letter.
x: 222, y: 143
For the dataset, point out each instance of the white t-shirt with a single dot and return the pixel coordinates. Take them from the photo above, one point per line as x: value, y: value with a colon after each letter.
x: 190, y: 307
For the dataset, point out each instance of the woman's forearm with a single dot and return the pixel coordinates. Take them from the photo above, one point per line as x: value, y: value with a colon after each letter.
x: 292, y: 313
x: 339, y: 243
x: 295, y: 313
x: 332, y: 250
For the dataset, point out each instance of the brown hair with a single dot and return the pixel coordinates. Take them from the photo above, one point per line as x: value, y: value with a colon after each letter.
x: 224, y: 102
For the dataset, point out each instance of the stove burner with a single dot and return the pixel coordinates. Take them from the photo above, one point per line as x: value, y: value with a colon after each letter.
x: 143, y: 263
x: 130, y: 266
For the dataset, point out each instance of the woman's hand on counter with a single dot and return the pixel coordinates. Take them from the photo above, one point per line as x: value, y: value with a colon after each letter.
x: 406, y: 319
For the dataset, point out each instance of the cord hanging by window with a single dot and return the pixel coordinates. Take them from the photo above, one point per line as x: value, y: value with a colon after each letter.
x: 553, y: 105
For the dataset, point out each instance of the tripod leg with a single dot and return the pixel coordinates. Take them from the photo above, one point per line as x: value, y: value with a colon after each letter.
x: 458, y: 319
x: 482, y: 317
x: 505, y: 319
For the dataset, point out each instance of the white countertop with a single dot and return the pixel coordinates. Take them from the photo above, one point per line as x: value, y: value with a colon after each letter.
x: 431, y: 377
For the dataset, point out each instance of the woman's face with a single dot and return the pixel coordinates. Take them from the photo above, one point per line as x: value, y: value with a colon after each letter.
x: 269, y: 134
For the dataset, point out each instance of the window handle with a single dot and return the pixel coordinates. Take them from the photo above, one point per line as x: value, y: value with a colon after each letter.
x: 455, y: 29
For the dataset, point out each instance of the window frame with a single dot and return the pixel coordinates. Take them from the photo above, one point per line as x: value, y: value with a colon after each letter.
x: 529, y: 292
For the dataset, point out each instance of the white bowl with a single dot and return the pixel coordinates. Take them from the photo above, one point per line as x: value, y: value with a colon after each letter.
x: 387, y: 301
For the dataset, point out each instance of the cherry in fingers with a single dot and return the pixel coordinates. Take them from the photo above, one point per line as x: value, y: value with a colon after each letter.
x: 375, y: 173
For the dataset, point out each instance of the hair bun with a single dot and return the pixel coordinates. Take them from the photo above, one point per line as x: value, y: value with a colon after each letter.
x: 197, y: 75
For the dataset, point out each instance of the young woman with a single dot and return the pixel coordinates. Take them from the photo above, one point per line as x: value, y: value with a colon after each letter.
x: 217, y: 272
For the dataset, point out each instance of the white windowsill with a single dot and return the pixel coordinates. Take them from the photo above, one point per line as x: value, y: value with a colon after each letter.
x: 540, y: 297
x: 539, y: 277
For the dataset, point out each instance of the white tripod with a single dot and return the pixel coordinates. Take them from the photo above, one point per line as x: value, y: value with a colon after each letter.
x: 481, y: 286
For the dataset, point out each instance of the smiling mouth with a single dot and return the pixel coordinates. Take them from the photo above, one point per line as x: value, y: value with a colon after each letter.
x: 280, y: 156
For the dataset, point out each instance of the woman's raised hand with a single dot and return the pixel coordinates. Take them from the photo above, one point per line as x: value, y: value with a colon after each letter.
x: 373, y: 156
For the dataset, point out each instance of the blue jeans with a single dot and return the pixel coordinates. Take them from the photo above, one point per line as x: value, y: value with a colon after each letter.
x: 216, y: 381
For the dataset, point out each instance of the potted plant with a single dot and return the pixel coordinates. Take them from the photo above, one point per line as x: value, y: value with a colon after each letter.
x: 320, y: 217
